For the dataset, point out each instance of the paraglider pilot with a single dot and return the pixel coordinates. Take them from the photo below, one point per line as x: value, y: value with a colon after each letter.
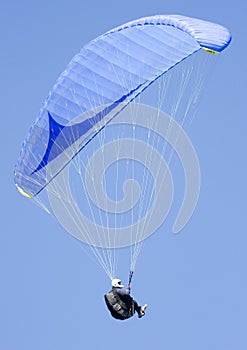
x: 120, y: 303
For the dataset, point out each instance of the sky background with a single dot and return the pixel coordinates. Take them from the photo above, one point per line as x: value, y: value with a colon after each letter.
x: 51, y: 293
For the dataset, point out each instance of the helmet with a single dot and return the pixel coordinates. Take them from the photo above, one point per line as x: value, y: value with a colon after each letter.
x: 116, y: 283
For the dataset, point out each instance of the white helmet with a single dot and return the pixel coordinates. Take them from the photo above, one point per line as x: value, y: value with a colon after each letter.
x: 116, y: 283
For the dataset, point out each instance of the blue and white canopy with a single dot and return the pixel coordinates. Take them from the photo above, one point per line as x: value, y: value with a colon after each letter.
x: 107, y: 74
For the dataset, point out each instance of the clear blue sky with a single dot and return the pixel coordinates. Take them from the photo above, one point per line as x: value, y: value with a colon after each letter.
x: 195, y: 283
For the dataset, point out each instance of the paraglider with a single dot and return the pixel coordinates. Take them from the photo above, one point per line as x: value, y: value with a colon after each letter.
x: 120, y: 304
x: 103, y: 80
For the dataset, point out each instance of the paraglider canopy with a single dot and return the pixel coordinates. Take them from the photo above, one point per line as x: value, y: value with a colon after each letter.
x: 106, y: 75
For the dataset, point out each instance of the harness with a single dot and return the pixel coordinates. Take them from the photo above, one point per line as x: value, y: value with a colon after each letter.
x: 118, y: 308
